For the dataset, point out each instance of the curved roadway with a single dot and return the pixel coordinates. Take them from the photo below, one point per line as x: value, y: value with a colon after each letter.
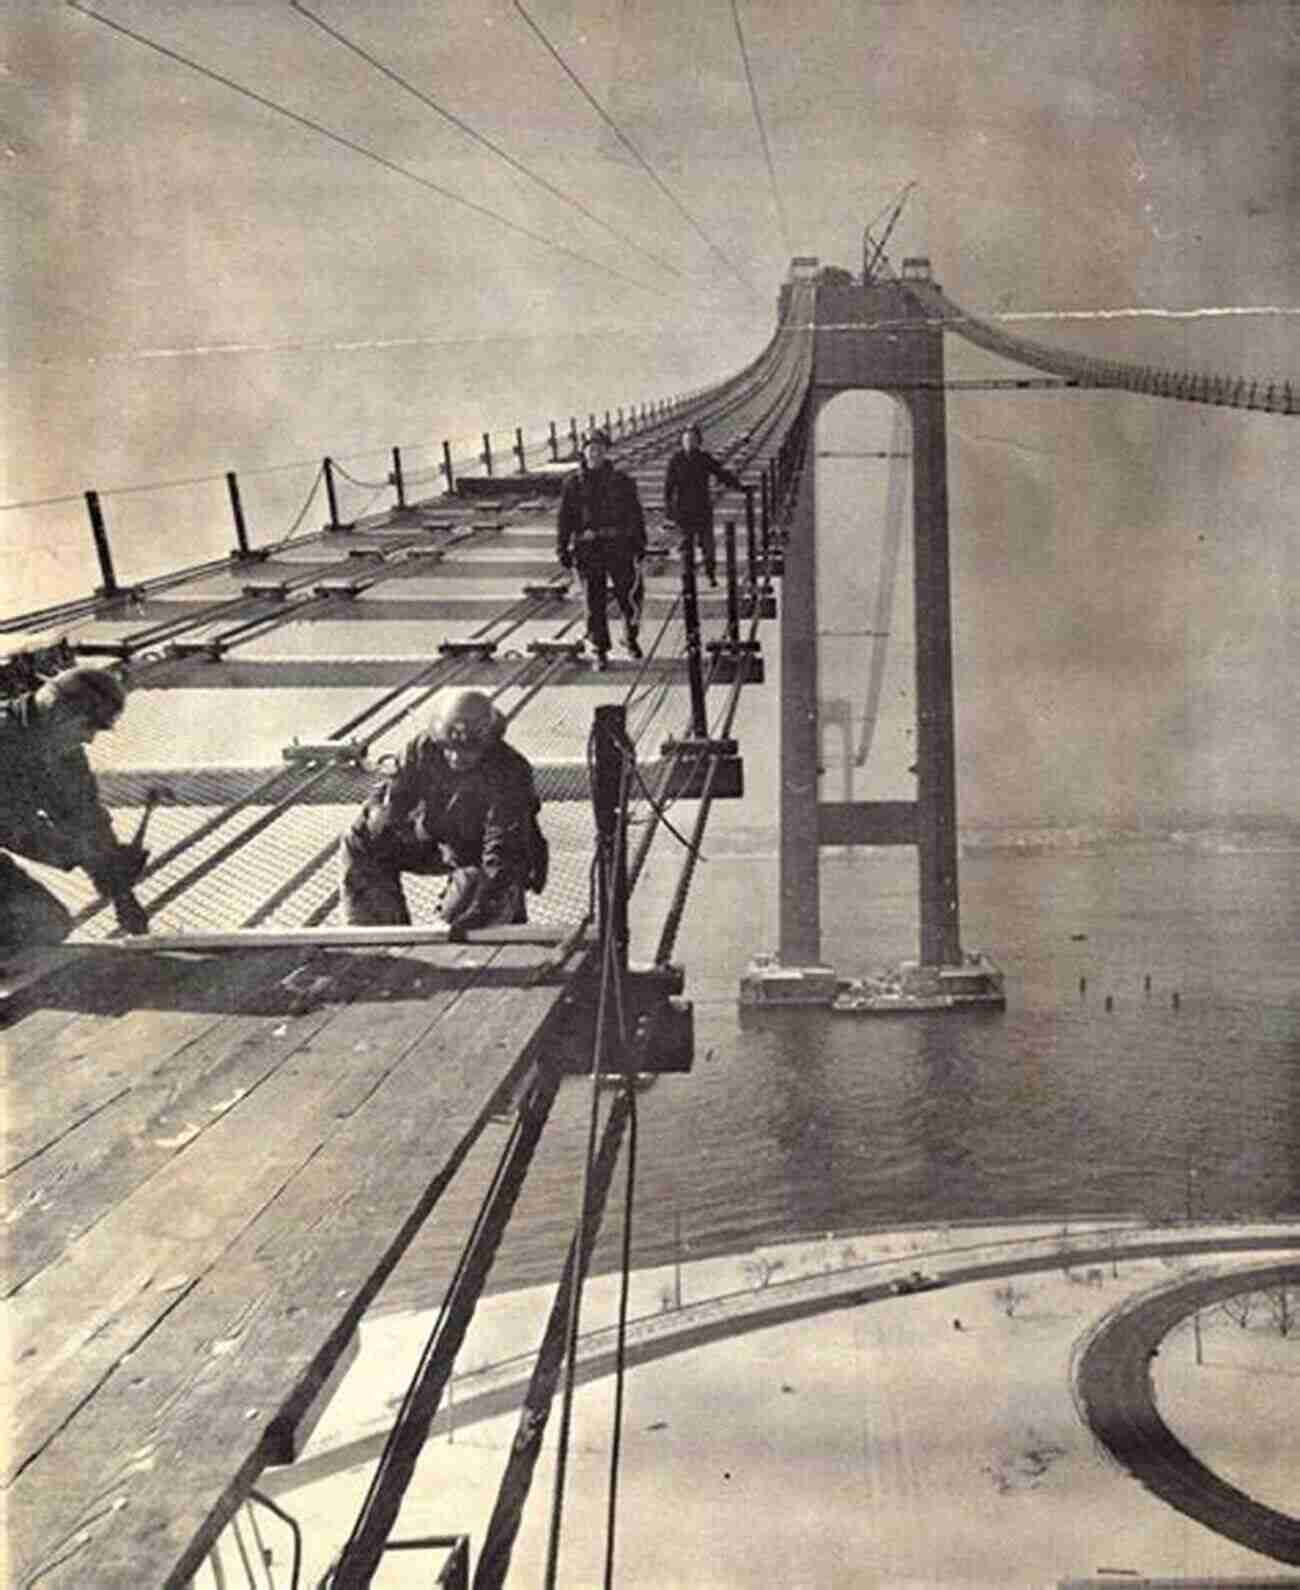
x: 1113, y: 1382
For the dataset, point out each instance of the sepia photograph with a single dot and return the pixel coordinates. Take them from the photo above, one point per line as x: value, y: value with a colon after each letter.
x: 649, y: 850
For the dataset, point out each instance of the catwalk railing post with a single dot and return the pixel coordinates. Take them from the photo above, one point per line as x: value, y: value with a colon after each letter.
x: 611, y: 750
x: 573, y: 433
x: 519, y: 449
x: 485, y: 457
x: 751, y: 548
x: 237, y: 509
x: 331, y: 496
x: 554, y: 444
x: 446, y: 466
x: 694, y: 664
x: 733, y: 595
x: 102, y: 549
x: 398, y: 484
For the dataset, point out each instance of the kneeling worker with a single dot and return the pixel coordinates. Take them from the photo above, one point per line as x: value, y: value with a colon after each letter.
x: 460, y: 804
x: 601, y: 533
x: 50, y: 810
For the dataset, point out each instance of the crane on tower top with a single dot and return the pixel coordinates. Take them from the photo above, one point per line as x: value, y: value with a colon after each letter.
x: 873, y: 252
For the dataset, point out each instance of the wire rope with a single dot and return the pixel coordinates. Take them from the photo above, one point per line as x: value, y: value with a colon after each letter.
x: 635, y: 152
x: 762, y: 129
x: 620, y: 1366
x: 360, y: 149
x: 480, y: 138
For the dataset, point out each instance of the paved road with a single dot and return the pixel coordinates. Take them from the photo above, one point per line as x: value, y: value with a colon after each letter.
x: 715, y: 1320
x: 1113, y: 1379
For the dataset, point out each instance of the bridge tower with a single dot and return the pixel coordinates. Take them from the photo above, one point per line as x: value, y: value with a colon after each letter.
x: 873, y: 336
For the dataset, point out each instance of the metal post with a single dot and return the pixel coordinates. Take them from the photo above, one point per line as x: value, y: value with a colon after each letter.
x: 555, y: 445
x: 733, y: 598
x: 694, y: 665
x: 620, y: 419
x: 573, y: 434
x: 519, y: 449
x: 611, y: 749
x: 237, y: 508
x: 765, y: 531
x: 102, y: 549
x: 591, y: 423
x: 485, y: 457
x: 399, y: 485
x: 330, y: 495
x: 446, y: 466
x: 751, y: 547
x: 607, y: 424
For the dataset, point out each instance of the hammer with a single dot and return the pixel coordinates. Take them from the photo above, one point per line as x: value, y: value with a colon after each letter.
x: 152, y: 795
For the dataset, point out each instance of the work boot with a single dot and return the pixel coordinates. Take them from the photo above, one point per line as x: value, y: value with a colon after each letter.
x: 633, y: 645
x: 602, y: 662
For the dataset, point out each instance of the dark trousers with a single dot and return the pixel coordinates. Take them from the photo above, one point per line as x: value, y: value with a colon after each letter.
x: 370, y: 880
x: 29, y: 913
x: 700, y: 533
x: 605, y: 568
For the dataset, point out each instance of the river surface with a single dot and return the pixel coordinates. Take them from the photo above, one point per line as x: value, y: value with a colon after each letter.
x: 797, y: 1123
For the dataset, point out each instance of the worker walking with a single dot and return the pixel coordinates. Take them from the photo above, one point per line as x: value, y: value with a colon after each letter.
x: 51, y: 811
x: 461, y: 805
x: 601, y: 533
x: 688, y: 500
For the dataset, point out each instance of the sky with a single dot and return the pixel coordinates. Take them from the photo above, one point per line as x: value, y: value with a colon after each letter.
x: 313, y: 256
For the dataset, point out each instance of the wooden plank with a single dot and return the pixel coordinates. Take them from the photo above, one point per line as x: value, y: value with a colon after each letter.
x: 72, y: 1323
x: 59, y: 1074
x: 181, y: 1089
x: 125, y: 1494
x: 254, y: 940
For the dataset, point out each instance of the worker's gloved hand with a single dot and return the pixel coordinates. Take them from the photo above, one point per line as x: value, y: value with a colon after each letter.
x: 118, y: 871
x: 131, y: 915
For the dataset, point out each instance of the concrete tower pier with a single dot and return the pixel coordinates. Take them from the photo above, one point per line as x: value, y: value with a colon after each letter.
x: 873, y: 337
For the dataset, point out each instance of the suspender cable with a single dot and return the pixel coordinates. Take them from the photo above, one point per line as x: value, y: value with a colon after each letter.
x: 360, y: 1556
x: 503, y: 1527
x: 626, y: 1270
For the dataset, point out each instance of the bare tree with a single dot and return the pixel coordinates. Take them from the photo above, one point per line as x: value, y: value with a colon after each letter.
x: 1282, y: 1310
x: 1240, y: 1307
x: 759, y: 1270
x: 1010, y: 1297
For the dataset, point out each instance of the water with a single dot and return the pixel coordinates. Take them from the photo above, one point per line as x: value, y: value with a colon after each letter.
x: 802, y: 1122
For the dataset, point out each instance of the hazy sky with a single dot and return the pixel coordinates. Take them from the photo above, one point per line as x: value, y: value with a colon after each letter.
x: 196, y: 282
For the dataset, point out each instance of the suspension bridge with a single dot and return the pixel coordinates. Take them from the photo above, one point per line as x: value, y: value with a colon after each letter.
x: 222, y: 1137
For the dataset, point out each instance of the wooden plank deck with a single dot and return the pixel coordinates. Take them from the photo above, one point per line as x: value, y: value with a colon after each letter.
x: 212, y: 1164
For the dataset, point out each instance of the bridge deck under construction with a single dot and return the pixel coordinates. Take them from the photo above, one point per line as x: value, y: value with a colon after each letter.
x: 216, y: 1156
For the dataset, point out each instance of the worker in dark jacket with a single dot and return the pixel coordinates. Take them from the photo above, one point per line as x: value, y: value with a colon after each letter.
x: 601, y: 533
x: 688, y: 501
x: 460, y: 804
x: 50, y: 810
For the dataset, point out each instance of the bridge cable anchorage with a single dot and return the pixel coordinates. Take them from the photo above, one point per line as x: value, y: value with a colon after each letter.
x: 480, y: 138
x: 635, y: 152
x: 361, y: 149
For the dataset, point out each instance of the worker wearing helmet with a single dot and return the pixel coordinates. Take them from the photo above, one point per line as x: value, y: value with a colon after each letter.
x: 460, y: 804
x: 50, y: 809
